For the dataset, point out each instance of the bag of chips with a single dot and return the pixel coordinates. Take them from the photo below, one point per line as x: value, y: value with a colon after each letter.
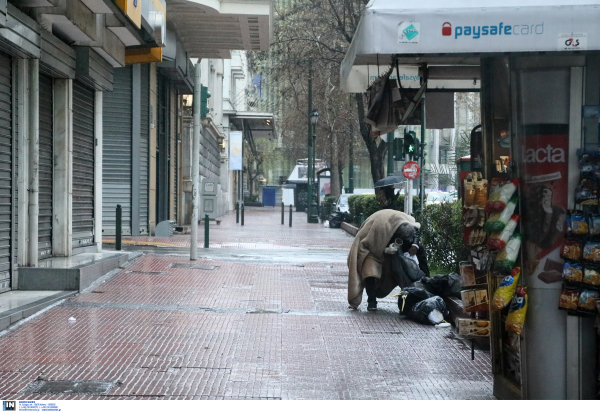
x: 506, y: 290
x: 571, y: 249
x: 569, y: 299
x: 506, y: 258
x: 498, y: 221
x: 591, y: 276
x: 500, y: 194
x: 518, y: 308
x: 594, y: 226
x: 577, y: 225
x: 572, y: 271
x: 587, y: 301
x: 498, y: 240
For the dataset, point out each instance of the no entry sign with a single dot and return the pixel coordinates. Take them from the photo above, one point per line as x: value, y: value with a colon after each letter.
x: 411, y: 170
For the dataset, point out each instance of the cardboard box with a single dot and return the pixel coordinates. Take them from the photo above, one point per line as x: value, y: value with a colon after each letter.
x: 467, y: 274
x: 473, y: 327
x: 475, y: 300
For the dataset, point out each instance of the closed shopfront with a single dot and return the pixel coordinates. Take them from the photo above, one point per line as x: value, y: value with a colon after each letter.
x: 46, y: 168
x: 144, y: 147
x: 83, y: 166
x: 7, y: 175
x: 163, y: 149
x: 116, y: 158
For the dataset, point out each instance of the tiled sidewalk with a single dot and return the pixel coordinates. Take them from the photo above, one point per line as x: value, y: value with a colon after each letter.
x: 237, y: 331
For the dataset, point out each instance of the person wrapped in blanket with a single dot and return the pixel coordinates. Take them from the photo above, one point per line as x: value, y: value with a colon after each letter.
x: 369, y: 266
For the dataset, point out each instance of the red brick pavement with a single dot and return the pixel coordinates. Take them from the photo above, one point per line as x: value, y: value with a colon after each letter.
x: 262, y: 230
x: 241, y: 331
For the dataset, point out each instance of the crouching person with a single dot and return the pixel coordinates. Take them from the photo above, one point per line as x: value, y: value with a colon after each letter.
x: 367, y: 265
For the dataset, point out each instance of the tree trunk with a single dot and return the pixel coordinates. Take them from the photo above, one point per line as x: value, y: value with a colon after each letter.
x: 376, y: 152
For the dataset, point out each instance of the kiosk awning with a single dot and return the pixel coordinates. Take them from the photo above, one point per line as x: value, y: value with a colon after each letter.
x: 442, y: 33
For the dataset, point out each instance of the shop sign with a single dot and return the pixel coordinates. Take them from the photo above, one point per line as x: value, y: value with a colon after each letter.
x: 411, y: 170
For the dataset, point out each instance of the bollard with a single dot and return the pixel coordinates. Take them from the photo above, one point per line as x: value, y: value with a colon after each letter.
x: 118, y: 228
x: 242, y: 214
x: 290, y: 215
x: 361, y: 219
x: 237, y: 212
x: 206, y: 231
x: 282, y: 214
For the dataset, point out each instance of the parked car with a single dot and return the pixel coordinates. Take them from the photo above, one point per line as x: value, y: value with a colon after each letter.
x: 438, y: 197
x: 342, y: 205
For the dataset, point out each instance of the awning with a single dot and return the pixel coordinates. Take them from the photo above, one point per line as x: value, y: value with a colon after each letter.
x: 443, y: 33
x: 257, y: 124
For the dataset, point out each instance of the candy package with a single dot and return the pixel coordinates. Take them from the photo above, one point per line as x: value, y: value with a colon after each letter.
x: 518, y: 308
x: 569, y: 299
x: 591, y: 251
x: 586, y: 192
x: 500, y: 195
x: 497, y: 221
x: 589, y: 163
x: 506, y: 290
x: 587, y: 301
x: 506, y: 258
x: 591, y: 276
x: 498, y: 240
x: 577, y: 225
x: 594, y: 225
x: 572, y: 272
x: 571, y: 249
x: 480, y: 193
x: 469, y: 200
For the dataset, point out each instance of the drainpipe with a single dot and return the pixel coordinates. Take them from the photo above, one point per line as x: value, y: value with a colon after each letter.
x: 34, y: 159
x: 195, y: 165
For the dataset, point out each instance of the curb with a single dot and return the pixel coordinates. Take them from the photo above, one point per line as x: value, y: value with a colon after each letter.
x: 352, y: 230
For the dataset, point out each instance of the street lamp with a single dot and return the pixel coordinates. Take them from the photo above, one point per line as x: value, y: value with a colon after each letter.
x: 312, y: 191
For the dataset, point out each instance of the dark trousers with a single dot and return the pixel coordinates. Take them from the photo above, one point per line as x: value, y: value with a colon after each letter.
x: 371, y: 286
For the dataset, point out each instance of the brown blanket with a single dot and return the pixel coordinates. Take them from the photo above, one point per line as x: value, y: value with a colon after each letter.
x: 366, y: 256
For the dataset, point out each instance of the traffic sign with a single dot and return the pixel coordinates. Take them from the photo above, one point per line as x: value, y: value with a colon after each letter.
x: 411, y: 170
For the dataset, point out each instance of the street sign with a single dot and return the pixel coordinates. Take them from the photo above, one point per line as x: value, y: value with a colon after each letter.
x: 411, y: 170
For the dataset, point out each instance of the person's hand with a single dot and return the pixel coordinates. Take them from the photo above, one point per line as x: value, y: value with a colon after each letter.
x: 413, y: 250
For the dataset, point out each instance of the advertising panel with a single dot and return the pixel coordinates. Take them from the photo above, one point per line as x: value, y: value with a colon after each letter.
x: 235, y: 150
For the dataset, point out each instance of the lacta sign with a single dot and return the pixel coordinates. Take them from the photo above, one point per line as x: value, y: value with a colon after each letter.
x: 476, y: 32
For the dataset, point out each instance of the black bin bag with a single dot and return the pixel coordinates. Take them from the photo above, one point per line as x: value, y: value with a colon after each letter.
x: 431, y: 311
x: 443, y: 285
x: 409, y: 297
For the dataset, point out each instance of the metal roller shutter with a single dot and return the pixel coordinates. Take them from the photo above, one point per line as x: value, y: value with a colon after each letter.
x: 162, y: 150
x: 6, y: 172
x: 83, y: 166
x: 45, y: 193
x: 116, y: 153
x: 144, y: 147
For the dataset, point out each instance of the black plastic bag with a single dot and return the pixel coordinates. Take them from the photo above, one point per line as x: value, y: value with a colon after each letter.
x: 409, y: 297
x: 336, y: 219
x: 408, y: 267
x: 443, y: 285
x: 431, y: 311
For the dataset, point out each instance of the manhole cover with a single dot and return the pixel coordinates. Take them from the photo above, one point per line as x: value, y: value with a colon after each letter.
x: 136, y: 272
x: 191, y: 266
x: 78, y: 387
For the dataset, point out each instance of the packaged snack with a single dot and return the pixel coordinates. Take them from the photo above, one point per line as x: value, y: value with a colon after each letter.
x: 467, y: 274
x: 497, y: 221
x: 497, y: 240
x: 573, y: 272
x: 587, y: 301
x: 506, y: 258
x: 577, y: 225
x: 591, y: 251
x: 500, y: 194
x: 569, y: 299
x: 586, y: 192
x: 518, y: 308
x: 594, y: 226
x: 480, y: 193
x: 506, y: 290
x: 591, y: 276
x: 571, y: 250
x: 473, y: 327
x: 469, y: 194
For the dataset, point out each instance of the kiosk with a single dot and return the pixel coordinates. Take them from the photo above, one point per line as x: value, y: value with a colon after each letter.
x: 539, y: 68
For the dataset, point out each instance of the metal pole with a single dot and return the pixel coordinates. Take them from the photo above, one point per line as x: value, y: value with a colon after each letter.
x: 196, y: 166
x: 237, y: 212
x: 118, y: 228
x: 390, y: 156
x: 290, y: 215
x: 351, y: 161
x: 283, y: 213
x: 206, y: 229
x: 242, y: 214
x: 310, y: 174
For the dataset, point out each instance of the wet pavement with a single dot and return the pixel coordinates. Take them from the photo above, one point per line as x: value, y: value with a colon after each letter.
x: 241, y: 323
